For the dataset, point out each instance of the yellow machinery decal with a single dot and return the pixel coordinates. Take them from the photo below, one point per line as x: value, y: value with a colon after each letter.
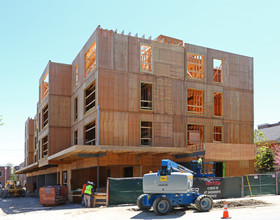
x: 163, y: 178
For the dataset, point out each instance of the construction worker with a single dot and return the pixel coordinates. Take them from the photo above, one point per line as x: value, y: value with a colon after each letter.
x: 87, y: 194
x: 199, y: 161
x: 83, y: 194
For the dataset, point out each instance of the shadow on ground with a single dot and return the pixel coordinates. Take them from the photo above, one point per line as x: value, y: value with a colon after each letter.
x: 174, y: 213
x: 16, y: 205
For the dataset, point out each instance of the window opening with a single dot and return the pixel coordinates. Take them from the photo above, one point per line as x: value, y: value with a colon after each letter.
x: 146, y: 96
x: 146, y: 58
x: 45, y: 115
x: 195, y: 134
x: 76, y: 137
x: 45, y: 147
x: 218, y: 104
x: 218, y: 133
x: 90, y: 59
x: 76, y: 108
x: 146, y: 133
x: 218, y: 70
x: 39, y: 122
x: 195, y: 101
x: 76, y: 76
x: 90, y: 97
x: 195, y: 66
x: 90, y: 134
x: 45, y: 87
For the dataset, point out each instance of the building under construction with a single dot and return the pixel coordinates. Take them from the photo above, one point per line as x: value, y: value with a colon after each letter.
x: 127, y: 102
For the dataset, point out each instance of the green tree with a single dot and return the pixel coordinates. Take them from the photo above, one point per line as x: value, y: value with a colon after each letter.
x: 259, y: 138
x: 264, y: 158
x: 13, y: 176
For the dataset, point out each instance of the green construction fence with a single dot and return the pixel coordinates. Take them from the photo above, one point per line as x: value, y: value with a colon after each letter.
x: 124, y: 190
x: 260, y: 184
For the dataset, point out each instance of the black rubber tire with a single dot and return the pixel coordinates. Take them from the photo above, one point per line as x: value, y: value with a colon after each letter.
x: 162, y: 206
x: 22, y: 193
x: 140, y: 203
x: 203, y: 203
x: 5, y: 194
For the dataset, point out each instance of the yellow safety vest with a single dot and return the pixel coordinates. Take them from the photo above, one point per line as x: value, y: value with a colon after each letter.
x: 88, y: 189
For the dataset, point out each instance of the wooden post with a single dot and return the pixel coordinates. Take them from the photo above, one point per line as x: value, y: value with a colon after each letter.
x: 97, y: 182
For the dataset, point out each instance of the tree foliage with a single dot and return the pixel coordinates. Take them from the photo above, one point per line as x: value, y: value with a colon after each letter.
x: 13, y: 176
x: 264, y: 160
x: 265, y: 157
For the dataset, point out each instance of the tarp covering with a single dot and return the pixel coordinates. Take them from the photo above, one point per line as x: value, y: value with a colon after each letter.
x: 218, y: 187
x: 124, y: 190
x: 261, y: 184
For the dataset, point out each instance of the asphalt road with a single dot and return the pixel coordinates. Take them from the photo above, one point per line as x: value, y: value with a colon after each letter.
x: 29, y: 208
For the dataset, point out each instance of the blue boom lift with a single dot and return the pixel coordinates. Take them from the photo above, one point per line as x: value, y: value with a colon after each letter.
x: 169, y: 187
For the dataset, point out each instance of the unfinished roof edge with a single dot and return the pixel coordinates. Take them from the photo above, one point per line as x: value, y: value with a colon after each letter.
x: 168, y: 40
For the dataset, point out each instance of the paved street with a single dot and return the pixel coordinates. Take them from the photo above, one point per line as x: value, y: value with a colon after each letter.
x: 29, y: 208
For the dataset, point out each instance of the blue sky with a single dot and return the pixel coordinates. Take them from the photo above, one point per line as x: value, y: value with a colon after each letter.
x: 34, y: 32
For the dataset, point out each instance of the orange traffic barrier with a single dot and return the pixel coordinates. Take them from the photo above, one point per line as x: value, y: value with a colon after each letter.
x: 225, y: 213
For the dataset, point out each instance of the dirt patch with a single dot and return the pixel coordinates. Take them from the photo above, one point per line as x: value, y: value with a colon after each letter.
x: 241, y: 203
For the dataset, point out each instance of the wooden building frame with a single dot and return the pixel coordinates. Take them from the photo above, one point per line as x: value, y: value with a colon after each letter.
x: 146, y: 100
x: 195, y: 66
x: 146, y: 57
x: 103, y: 86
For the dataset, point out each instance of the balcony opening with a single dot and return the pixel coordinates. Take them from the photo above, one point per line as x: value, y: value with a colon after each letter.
x: 195, y: 101
x: 195, y: 67
x: 146, y: 133
x: 146, y: 58
x: 146, y: 96
x: 90, y: 134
